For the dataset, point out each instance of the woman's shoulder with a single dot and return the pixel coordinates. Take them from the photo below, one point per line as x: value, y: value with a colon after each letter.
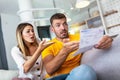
x: 15, y: 49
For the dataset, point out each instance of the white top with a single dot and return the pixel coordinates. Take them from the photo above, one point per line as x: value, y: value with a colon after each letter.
x: 34, y: 72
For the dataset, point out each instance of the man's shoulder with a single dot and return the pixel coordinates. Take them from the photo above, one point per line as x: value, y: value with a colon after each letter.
x: 75, y: 36
x: 54, y: 40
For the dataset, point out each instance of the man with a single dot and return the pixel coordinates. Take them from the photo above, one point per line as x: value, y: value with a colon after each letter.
x: 58, y: 58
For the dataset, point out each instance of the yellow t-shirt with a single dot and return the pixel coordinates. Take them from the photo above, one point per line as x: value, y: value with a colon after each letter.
x: 71, y: 61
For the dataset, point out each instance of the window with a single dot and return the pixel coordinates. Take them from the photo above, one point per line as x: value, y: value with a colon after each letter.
x: 94, y: 22
x: 44, y: 32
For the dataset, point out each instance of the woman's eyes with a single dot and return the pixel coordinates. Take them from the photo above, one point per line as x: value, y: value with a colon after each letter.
x: 30, y: 31
x: 27, y: 31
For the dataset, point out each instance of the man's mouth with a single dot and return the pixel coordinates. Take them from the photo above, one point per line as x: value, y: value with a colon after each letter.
x: 63, y: 32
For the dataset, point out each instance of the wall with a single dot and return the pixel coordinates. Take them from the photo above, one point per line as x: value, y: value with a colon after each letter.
x: 9, y: 24
x: 112, y: 19
x: 3, y: 59
x: 111, y: 16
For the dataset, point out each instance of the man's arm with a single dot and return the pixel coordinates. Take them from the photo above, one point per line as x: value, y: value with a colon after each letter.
x: 53, y: 63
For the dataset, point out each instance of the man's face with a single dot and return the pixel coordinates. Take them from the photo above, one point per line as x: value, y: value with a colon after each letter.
x: 60, y: 28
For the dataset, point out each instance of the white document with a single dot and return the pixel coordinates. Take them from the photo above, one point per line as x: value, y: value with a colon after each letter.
x: 89, y: 38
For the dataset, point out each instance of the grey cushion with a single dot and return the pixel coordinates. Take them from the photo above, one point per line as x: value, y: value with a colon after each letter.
x: 106, y: 63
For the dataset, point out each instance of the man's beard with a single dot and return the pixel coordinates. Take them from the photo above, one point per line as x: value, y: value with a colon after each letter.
x: 63, y: 36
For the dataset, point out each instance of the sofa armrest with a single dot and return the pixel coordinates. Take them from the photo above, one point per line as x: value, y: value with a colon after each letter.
x: 106, y: 63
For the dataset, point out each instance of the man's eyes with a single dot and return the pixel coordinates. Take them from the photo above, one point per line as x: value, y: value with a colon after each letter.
x: 57, y: 25
x: 61, y: 24
x: 65, y: 24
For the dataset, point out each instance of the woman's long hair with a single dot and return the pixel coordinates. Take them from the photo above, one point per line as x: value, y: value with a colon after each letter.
x: 22, y: 46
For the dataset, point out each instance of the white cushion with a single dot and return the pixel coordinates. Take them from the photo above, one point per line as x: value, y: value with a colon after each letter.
x: 8, y: 74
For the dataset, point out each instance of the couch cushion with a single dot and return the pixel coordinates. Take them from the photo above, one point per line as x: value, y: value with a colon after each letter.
x: 106, y: 63
x: 8, y: 74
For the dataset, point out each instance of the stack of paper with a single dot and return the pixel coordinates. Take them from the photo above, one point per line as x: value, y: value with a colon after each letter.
x: 89, y: 38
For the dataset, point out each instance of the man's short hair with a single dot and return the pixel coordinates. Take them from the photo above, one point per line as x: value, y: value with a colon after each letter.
x: 57, y: 16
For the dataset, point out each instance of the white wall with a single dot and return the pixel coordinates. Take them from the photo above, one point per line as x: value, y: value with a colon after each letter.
x: 112, y: 21
x: 9, y: 24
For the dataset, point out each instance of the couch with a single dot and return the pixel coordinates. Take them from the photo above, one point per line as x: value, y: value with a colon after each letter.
x: 8, y: 74
x: 106, y: 63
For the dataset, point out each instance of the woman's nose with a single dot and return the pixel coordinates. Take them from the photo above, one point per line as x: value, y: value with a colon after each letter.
x: 31, y: 32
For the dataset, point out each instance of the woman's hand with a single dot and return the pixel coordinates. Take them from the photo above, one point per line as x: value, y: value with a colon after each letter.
x: 71, y: 46
x: 104, y: 43
x: 43, y: 44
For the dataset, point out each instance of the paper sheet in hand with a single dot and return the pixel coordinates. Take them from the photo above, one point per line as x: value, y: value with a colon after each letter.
x: 89, y: 38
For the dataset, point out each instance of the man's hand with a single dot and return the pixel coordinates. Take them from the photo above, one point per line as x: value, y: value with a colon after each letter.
x: 104, y: 43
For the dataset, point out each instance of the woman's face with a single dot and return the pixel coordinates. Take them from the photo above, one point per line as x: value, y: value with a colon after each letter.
x: 28, y: 34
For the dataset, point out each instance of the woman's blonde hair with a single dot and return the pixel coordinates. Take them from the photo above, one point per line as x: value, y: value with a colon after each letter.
x: 22, y: 46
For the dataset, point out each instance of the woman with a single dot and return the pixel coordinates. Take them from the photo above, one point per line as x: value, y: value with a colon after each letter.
x: 27, y: 54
